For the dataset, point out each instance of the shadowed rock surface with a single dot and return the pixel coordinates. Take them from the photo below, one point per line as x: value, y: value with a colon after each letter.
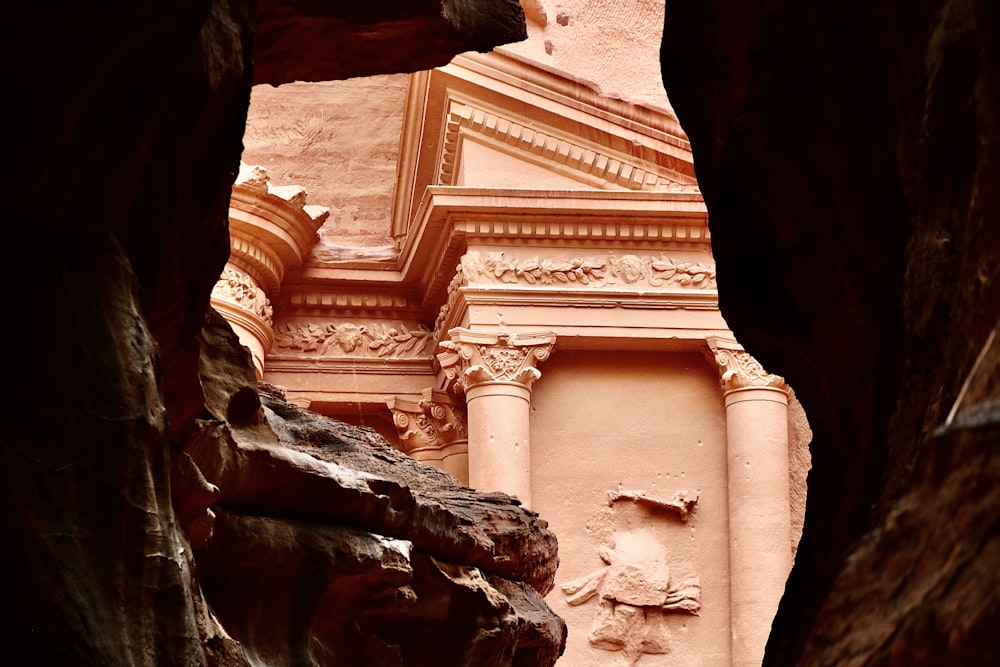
x: 132, y: 428
x: 849, y: 156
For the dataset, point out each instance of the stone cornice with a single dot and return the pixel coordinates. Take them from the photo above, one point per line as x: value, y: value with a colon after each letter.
x: 280, y: 362
x: 271, y: 227
x: 471, y: 358
x: 507, y: 99
x: 450, y: 218
x: 511, y: 69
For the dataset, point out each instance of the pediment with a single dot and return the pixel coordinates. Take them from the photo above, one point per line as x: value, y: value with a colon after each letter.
x: 491, y: 121
x: 488, y: 149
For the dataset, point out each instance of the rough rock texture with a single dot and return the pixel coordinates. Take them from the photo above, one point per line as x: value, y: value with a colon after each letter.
x: 124, y: 123
x: 328, y: 542
x: 849, y: 156
x: 609, y: 45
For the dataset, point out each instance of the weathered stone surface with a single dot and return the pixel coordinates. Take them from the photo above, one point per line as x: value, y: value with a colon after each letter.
x: 340, y: 141
x: 847, y: 156
x: 124, y: 124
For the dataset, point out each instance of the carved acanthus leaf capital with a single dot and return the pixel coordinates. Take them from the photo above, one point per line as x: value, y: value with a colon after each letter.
x: 739, y: 370
x: 471, y: 358
x: 433, y: 421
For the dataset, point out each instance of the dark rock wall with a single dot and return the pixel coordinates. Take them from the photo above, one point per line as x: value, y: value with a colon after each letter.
x: 123, y: 125
x: 112, y: 232
x: 849, y: 155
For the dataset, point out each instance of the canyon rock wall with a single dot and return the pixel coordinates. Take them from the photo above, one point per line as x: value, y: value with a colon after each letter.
x: 146, y: 493
x: 849, y: 156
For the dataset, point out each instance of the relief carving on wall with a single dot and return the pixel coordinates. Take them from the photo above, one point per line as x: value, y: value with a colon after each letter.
x: 373, y: 339
x: 636, y: 590
x: 597, y: 270
x: 238, y: 287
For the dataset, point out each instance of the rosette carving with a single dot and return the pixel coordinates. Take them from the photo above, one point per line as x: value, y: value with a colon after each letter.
x: 471, y: 358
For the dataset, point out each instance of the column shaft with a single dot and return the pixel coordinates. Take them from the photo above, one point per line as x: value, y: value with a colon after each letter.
x: 499, y: 453
x: 759, y: 514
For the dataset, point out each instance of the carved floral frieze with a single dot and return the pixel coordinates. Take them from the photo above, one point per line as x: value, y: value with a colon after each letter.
x: 349, y: 339
x: 596, y: 270
x: 238, y: 287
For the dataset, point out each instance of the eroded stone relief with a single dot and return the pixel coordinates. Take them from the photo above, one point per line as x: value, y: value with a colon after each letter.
x: 352, y: 339
x: 597, y: 270
x: 683, y: 502
x: 635, y: 590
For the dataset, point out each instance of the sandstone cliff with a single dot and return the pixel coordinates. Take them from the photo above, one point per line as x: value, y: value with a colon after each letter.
x: 849, y: 156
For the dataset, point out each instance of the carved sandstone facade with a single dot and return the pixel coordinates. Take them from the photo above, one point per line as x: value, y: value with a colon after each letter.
x: 537, y: 314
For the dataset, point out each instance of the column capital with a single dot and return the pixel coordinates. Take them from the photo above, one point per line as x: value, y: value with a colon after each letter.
x: 739, y: 370
x: 433, y: 421
x: 472, y: 358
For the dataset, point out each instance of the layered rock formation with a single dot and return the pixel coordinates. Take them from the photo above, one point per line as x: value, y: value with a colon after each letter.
x: 140, y: 473
x: 848, y: 156
x: 329, y: 543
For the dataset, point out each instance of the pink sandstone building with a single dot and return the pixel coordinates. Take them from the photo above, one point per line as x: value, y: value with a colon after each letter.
x: 508, y: 275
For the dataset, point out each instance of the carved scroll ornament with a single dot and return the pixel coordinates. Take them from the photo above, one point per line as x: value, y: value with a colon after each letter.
x: 470, y: 359
x: 431, y: 422
x: 739, y: 370
x: 597, y: 270
x: 378, y: 339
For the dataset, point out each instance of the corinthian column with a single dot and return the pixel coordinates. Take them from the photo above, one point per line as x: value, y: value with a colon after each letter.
x: 759, y: 503
x: 496, y: 372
